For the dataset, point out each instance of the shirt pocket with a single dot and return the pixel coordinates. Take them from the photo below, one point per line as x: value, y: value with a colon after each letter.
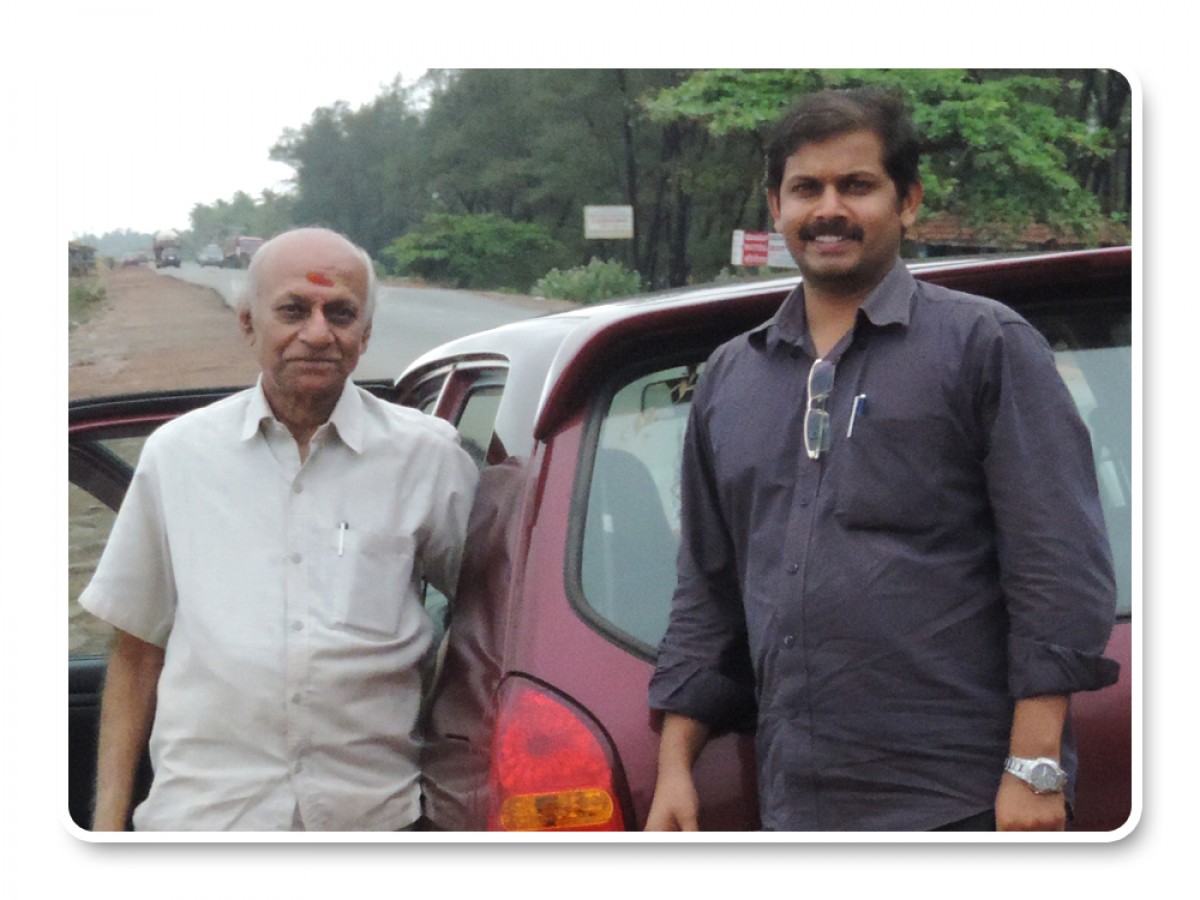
x: 369, y: 580
x: 892, y: 479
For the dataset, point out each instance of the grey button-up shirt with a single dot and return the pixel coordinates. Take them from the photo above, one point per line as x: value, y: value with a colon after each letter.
x: 877, y: 611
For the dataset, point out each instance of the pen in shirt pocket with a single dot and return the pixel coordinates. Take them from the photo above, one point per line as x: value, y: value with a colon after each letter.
x: 859, y: 408
x: 342, y: 527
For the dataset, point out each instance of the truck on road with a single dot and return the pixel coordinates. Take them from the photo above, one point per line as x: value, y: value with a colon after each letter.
x: 238, y: 250
x: 167, y: 249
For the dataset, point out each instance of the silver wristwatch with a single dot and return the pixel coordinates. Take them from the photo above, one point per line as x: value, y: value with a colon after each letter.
x: 1043, y: 775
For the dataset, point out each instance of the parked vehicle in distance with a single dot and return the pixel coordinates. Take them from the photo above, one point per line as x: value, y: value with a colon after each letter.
x: 210, y: 255
x: 538, y: 718
x: 236, y: 251
x: 169, y: 257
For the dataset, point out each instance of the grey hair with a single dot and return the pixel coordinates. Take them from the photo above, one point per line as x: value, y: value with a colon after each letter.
x: 250, y: 285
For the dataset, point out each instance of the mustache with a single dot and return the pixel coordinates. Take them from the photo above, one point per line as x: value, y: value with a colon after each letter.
x: 832, y: 228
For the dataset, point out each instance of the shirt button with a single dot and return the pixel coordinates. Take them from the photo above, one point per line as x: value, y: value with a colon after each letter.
x: 793, y: 569
x: 297, y: 626
x: 789, y: 641
x: 296, y: 489
x: 295, y: 698
x: 296, y: 557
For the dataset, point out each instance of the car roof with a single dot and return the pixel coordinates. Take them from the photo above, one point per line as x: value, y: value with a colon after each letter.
x: 573, y: 348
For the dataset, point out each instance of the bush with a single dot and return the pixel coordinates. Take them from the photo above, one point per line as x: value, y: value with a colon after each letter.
x: 597, y: 281
x: 84, y: 296
x: 476, y: 251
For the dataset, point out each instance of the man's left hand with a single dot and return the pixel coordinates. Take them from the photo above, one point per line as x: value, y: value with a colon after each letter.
x: 1020, y: 809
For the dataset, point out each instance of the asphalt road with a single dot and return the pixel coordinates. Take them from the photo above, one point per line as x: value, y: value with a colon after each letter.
x: 408, y: 321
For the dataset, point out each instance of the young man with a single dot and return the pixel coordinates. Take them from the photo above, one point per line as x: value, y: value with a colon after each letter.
x: 263, y: 577
x: 893, y: 558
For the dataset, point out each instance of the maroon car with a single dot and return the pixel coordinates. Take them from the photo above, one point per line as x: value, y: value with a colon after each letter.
x: 538, y: 717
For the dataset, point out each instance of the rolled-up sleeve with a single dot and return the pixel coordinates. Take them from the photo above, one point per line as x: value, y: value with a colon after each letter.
x: 1052, y: 546
x: 704, y: 670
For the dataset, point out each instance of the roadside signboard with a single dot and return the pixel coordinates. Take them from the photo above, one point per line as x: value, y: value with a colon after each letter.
x: 761, y: 248
x: 608, y: 223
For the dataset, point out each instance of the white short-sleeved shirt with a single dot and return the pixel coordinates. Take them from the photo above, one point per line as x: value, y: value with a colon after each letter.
x: 287, y: 598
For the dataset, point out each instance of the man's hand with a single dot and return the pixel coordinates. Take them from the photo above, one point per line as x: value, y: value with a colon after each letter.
x: 1036, y: 731
x: 126, y: 714
x: 676, y: 805
x: 1019, y: 809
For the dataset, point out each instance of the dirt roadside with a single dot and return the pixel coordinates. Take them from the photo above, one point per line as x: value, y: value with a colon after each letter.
x: 155, y: 332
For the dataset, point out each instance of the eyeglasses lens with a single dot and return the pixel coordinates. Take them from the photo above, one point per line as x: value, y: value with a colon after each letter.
x: 816, y: 418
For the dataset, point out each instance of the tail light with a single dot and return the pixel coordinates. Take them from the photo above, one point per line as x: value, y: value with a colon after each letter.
x: 551, y: 768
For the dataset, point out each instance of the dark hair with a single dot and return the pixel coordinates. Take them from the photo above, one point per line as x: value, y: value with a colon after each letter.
x: 832, y: 113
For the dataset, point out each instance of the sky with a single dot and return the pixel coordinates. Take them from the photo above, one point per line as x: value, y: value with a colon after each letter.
x: 177, y: 108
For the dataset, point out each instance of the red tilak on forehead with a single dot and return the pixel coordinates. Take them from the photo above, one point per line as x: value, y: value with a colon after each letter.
x: 320, y: 278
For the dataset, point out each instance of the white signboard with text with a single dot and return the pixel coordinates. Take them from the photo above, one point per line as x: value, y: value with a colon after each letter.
x: 608, y: 223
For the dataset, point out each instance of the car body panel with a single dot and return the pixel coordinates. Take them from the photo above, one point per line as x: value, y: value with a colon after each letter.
x: 1101, y: 722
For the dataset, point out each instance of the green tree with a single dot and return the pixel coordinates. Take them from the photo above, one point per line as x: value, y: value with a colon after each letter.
x: 684, y: 148
x: 242, y: 214
x: 1001, y: 152
x: 539, y: 145
x: 361, y: 171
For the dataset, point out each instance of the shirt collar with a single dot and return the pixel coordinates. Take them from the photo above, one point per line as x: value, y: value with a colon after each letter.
x: 889, y: 304
x: 346, y: 418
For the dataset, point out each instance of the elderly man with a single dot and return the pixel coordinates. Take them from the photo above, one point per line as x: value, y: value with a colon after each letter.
x: 893, y: 555
x: 264, y: 578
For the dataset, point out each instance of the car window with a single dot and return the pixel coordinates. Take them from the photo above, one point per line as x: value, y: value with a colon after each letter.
x: 90, y: 521
x: 631, y: 529
x: 630, y: 536
x: 425, y: 395
x: 1095, y: 359
x: 477, y: 421
x: 468, y: 396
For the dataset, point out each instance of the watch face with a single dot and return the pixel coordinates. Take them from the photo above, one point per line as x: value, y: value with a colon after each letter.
x: 1044, y: 777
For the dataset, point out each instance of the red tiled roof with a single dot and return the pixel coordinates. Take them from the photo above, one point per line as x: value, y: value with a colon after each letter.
x: 948, y: 229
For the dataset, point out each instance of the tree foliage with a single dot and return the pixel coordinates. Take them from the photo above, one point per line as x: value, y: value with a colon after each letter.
x: 598, y: 280
x: 242, y: 214
x: 440, y: 159
x: 359, y: 171
x: 1002, y: 149
x: 474, y: 251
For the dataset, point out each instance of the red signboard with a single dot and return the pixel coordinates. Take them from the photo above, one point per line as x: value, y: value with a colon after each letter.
x: 760, y: 248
